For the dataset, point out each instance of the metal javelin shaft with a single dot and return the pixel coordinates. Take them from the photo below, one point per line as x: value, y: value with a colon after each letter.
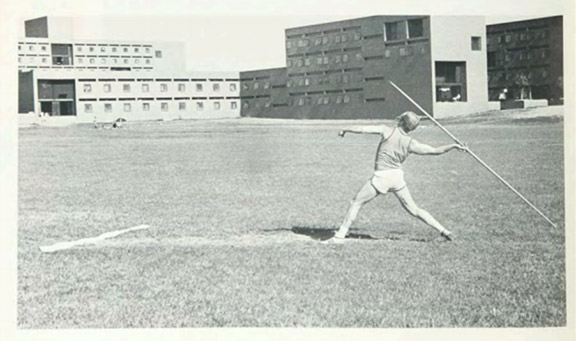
x: 474, y: 156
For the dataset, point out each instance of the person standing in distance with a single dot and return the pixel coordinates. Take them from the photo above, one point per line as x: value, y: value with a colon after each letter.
x: 395, y: 146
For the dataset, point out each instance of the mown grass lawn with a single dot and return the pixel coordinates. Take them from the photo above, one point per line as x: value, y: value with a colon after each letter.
x: 235, y: 208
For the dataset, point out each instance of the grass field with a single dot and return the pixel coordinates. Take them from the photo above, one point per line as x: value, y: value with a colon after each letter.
x: 236, y: 208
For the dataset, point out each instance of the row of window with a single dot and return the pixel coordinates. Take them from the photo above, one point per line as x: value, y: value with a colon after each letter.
x: 518, y: 36
x: 164, y: 106
x: 530, y: 75
x: 21, y: 47
x: 301, y: 101
x: 332, y: 79
x: 125, y: 61
x: 124, y: 49
x: 323, y: 40
x: 322, y: 60
x: 127, y: 88
x: 498, y: 59
x: 102, y: 49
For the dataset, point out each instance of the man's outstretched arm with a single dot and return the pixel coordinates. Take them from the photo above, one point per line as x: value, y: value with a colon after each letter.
x: 365, y: 130
x: 424, y: 149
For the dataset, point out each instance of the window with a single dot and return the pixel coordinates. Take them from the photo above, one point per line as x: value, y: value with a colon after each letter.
x: 199, y: 106
x: 345, y: 58
x: 387, y: 53
x: 136, y: 50
x: 216, y: 105
x: 337, y: 59
x: 147, y: 50
x: 115, y: 61
x: 108, y: 107
x: 288, y: 44
x: 346, y: 99
x: 508, y: 38
x: 87, y: 88
x: 125, y: 61
x: 319, y: 60
x: 103, y: 61
x: 216, y: 87
x: 476, y: 43
x: 19, y: 60
x: 232, y: 87
x: 345, y: 78
x: 266, y: 85
x: 145, y: 88
x: 392, y: 31
x: 44, y: 60
x: 43, y: 48
x: 450, y: 81
x: 163, y: 87
x: 325, y: 40
x: 91, y: 49
x: 415, y: 28
x: 127, y: 107
x: 145, y: 106
x: 79, y: 48
x: 164, y: 106
x: 147, y: 61
x: 126, y: 87
x: 339, y: 100
x: 125, y: 50
x: 158, y: 54
x: 30, y: 48
x: 326, y: 100
x: 358, y: 56
x: 301, y: 101
x: 233, y: 105
x: 114, y: 49
x: 102, y: 49
x: 491, y: 59
x: 182, y: 106
x: 107, y: 87
x: 357, y: 36
x: 337, y: 39
x: 92, y: 61
x: 256, y: 86
x: 19, y: 47
x: 198, y: 87
x: 181, y: 87
x: 87, y: 107
x: 137, y: 61
x: 344, y: 38
x: 307, y: 61
x: 318, y: 41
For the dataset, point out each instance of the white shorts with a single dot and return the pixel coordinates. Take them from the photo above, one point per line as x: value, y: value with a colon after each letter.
x: 389, y: 180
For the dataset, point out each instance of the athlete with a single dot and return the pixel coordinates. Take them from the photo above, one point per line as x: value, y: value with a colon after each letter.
x: 395, y: 146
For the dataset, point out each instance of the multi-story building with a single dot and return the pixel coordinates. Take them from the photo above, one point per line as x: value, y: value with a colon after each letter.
x: 64, y: 75
x: 342, y: 69
x: 526, y: 55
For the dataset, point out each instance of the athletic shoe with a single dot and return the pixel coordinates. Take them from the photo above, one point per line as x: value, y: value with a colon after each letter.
x: 333, y: 241
x: 447, y: 235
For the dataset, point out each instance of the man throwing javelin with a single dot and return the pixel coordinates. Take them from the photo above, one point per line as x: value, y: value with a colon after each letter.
x: 395, y: 146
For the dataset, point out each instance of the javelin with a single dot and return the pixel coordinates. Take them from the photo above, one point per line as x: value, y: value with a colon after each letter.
x: 474, y: 155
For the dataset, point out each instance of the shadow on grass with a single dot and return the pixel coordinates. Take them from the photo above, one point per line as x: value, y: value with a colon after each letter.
x: 320, y: 234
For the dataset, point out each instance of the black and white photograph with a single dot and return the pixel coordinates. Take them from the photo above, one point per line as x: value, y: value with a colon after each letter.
x: 322, y: 170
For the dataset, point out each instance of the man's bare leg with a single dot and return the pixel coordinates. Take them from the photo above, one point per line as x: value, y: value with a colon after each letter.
x: 408, y: 203
x: 364, y: 195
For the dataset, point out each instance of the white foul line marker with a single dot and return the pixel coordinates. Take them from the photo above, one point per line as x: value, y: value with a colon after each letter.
x: 93, y: 240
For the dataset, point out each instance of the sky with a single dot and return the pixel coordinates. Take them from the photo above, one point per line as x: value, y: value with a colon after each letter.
x: 246, y: 35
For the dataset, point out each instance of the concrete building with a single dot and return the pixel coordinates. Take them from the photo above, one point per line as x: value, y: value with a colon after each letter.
x: 341, y: 70
x: 525, y: 57
x: 64, y: 75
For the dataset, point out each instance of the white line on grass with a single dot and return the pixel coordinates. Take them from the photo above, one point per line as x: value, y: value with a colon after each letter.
x: 93, y: 240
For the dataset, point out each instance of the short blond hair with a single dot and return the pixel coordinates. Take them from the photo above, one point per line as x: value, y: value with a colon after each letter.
x: 408, y: 121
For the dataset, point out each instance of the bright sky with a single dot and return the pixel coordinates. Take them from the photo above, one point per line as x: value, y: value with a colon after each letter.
x: 243, y: 35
